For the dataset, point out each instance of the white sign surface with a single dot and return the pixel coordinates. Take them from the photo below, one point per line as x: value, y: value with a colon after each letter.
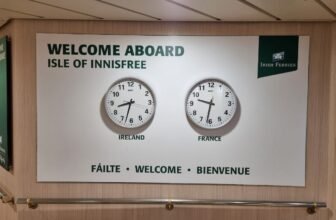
x: 77, y: 142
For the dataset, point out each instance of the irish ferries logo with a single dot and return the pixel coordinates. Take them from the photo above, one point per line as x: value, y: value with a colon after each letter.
x: 277, y: 54
x: 2, y: 52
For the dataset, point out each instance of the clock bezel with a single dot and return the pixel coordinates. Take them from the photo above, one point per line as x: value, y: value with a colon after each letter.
x: 139, y: 81
x: 209, y: 80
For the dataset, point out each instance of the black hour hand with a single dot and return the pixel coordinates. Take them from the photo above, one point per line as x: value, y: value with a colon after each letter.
x: 126, y: 103
x: 206, y: 102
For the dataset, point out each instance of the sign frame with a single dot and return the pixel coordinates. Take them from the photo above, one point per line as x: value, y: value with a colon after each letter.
x: 95, y: 150
x: 5, y: 104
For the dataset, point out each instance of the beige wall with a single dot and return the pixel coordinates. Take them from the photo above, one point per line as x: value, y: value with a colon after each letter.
x: 320, y: 180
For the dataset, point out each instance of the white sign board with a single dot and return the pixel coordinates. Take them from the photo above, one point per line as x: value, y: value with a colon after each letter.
x: 264, y: 144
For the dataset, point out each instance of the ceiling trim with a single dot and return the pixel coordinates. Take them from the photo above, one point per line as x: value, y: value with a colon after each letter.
x: 194, y: 10
x: 21, y: 12
x: 128, y: 9
x: 247, y: 3
x: 66, y: 9
x: 326, y: 7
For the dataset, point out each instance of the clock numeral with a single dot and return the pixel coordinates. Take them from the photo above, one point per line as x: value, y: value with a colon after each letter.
x: 130, y: 83
x: 122, y: 117
x: 111, y: 103
x: 211, y: 84
x: 121, y: 87
x: 115, y: 112
x: 194, y: 112
x: 219, y: 119
x: 146, y: 111
x: 226, y: 112
x: 227, y: 94
x: 202, y: 87
x: 191, y: 103
x: 140, y: 87
x: 201, y: 118
x: 140, y: 118
x: 115, y: 94
x: 229, y: 103
x: 195, y: 94
x: 150, y: 102
x: 210, y: 121
x: 146, y: 93
x: 131, y: 120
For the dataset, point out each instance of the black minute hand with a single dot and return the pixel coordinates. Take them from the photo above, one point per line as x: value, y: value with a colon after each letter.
x: 129, y: 107
x: 210, y: 104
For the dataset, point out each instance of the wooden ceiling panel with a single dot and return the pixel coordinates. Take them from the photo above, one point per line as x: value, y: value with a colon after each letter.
x: 97, y: 9
x: 162, y: 9
x: 35, y: 10
x: 3, y: 21
x: 228, y: 10
x: 297, y: 10
x: 171, y: 10
x: 7, y: 13
x: 331, y: 4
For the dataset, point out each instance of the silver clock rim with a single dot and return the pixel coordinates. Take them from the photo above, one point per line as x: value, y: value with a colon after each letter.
x: 205, y: 80
x: 139, y: 81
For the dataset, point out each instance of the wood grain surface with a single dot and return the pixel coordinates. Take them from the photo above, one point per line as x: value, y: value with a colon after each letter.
x: 159, y: 213
x: 7, y: 212
x: 331, y: 200
x: 320, y: 177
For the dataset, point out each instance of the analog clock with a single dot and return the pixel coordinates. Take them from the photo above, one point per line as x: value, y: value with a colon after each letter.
x: 211, y: 104
x: 130, y: 103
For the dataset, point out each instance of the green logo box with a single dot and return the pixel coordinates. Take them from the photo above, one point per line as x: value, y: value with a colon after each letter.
x: 277, y: 54
x: 5, y: 104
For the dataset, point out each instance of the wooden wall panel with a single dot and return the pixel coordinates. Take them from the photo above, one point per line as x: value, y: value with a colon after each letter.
x: 332, y: 129
x: 25, y: 118
x: 318, y: 135
x: 7, y: 212
x: 75, y: 212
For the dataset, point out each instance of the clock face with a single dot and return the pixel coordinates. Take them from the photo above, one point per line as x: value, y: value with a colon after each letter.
x: 130, y: 103
x: 211, y: 104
